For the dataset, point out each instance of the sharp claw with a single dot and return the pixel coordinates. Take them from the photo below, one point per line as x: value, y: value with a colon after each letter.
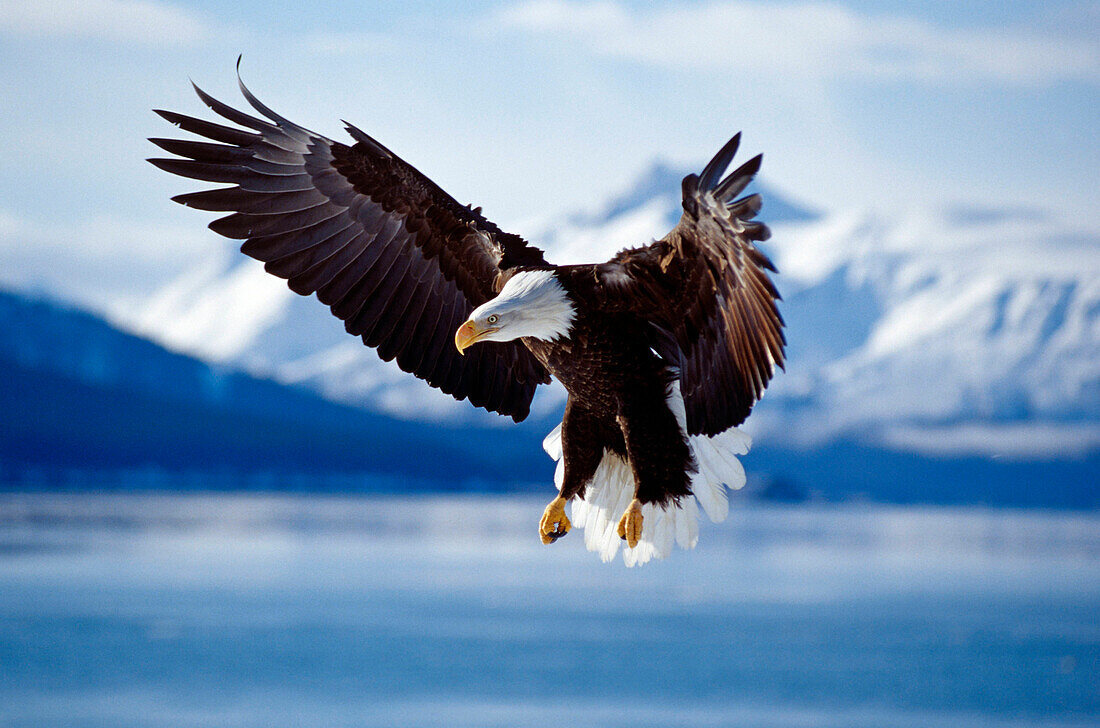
x: 554, y: 522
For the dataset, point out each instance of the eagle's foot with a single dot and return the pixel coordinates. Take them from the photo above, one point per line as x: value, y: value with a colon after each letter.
x: 554, y: 523
x: 630, y: 525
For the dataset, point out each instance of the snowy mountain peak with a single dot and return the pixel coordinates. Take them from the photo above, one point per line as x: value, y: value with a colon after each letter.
x: 662, y: 181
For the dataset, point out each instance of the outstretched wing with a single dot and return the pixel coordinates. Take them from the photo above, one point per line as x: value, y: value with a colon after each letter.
x: 705, y: 288
x: 394, y: 256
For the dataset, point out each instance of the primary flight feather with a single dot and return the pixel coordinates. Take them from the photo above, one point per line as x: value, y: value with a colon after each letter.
x: 664, y: 349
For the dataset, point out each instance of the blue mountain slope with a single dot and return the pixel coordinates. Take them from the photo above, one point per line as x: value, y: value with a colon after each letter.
x: 79, y: 394
x: 848, y: 469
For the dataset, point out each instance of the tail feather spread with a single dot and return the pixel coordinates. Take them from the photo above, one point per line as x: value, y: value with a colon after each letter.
x: 612, y: 488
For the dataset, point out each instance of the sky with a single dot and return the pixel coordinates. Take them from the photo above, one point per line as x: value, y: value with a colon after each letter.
x: 540, y: 107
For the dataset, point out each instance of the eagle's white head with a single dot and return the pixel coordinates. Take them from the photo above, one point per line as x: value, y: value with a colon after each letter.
x: 532, y: 303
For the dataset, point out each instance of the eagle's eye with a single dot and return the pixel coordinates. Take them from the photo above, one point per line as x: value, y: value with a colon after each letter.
x: 493, y: 318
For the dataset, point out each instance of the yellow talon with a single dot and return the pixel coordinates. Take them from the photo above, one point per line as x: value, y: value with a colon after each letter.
x: 554, y: 523
x: 630, y: 525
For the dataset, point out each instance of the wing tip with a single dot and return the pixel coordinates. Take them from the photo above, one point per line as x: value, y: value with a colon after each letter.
x: 219, y: 227
x: 753, y: 164
x: 738, y: 179
x: 366, y: 139
x: 163, y: 143
x: 206, y: 98
x: 718, y: 164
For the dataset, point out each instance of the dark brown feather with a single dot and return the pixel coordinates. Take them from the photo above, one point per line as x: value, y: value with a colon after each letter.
x: 706, y: 285
x: 393, y: 255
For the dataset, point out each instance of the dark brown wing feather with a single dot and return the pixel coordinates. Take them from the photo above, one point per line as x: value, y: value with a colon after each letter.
x: 394, y: 256
x: 705, y: 288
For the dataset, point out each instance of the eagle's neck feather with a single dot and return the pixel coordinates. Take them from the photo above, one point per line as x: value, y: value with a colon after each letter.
x: 544, y: 308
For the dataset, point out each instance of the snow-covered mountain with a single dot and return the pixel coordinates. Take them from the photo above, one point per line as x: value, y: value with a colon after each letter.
x: 946, y: 331
x: 949, y: 332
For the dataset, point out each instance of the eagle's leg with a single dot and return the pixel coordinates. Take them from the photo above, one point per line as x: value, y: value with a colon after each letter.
x: 630, y: 525
x: 581, y: 453
x: 659, y: 457
x: 554, y: 523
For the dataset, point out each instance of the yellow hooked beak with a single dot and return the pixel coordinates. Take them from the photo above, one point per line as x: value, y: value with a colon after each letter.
x: 470, y: 333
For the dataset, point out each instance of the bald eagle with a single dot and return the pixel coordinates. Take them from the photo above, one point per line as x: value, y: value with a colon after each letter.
x: 663, y: 349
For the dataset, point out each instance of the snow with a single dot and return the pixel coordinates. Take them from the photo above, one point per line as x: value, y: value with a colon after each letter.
x: 216, y: 311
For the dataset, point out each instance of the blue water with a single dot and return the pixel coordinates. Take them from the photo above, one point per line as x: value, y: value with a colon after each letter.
x: 274, y: 611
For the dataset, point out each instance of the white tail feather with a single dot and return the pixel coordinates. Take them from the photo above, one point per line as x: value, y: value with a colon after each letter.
x: 552, y: 443
x: 612, y: 488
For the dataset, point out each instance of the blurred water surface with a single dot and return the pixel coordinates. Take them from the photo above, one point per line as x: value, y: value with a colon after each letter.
x: 270, y: 611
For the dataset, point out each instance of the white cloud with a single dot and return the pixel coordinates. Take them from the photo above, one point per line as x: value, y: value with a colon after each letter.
x: 106, y: 263
x: 808, y: 41
x: 1016, y: 441
x: 129, y: 21
x: 10, y: 225
x: 339, y: 43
